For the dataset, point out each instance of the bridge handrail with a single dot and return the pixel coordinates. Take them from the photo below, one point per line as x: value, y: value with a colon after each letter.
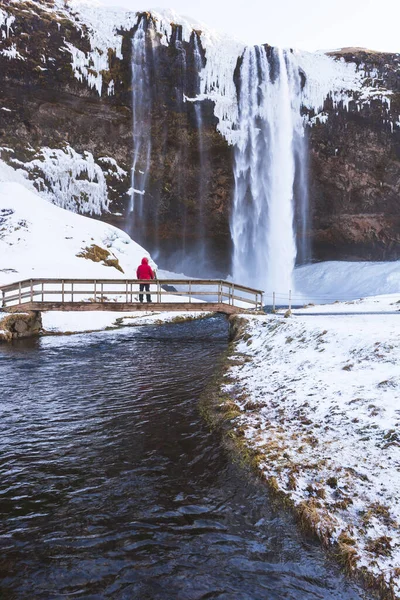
x: 36, y: 281
x: 27, y: 290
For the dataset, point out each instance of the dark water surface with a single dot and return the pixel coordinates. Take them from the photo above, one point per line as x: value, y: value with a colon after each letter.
x: 111, y: 485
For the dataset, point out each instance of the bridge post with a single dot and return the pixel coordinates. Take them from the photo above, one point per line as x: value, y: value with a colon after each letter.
x: 62, y: 290
x: 42, y: 291
x: 101, y: 292
x: 31, y: 290
x: 126, y: 291
x: 3, y: 298
x: 19, y: 292
x: 158, y: 292
x: 190, y: 291
x: 220, y: 292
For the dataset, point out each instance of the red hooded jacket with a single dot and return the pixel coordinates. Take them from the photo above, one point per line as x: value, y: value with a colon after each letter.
x: 144, y: 271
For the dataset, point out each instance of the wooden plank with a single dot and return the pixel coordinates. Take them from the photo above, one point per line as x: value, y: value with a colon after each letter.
x: 18, y: 296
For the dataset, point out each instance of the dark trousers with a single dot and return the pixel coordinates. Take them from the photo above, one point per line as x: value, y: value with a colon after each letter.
x: 146, y: 287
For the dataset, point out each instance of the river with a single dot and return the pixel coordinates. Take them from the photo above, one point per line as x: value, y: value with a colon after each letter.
x: 112, y: 486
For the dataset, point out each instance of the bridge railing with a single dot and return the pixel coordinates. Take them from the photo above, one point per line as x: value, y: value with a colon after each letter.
x: 51, y: 291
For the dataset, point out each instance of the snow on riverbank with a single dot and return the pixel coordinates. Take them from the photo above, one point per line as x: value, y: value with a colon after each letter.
x: 78, y: 322
x: 319, y: 399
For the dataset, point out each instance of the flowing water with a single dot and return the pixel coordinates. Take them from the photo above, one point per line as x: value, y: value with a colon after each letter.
x: 270, y: 128
x: 141, y: 117
x: 112, y: 486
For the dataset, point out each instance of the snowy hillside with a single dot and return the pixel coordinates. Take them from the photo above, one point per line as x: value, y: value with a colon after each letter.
x: 38, y: 239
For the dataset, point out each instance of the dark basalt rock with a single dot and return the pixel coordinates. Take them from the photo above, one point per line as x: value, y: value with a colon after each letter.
x: 355, y: 170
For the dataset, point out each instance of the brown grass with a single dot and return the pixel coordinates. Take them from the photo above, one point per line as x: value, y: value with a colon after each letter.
x: 98, y: 254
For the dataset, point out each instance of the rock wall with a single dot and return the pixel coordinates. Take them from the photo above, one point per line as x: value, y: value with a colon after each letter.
x: 355, y: 167
x: 66, y: 107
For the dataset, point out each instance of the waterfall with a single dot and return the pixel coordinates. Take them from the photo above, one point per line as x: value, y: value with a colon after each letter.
x: 264, y: 169
x: 141, y: 118
x: 198, y: 63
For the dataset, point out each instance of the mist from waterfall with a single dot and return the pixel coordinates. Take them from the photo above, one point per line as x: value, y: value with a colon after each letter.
x: 141, y: 119
x: 270, y: 129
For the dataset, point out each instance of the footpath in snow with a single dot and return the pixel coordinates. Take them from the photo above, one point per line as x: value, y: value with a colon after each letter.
x: 319, y: 401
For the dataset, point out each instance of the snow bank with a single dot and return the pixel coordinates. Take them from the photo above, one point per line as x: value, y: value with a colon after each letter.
x: 339, y: 280
x: 321, y: 408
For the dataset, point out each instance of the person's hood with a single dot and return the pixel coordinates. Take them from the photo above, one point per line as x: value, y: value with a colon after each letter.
x: 145, y: 261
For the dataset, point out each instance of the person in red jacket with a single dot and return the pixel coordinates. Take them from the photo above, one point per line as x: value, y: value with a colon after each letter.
x: 144, y: 272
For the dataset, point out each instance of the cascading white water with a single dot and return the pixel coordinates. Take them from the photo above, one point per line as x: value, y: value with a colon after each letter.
x: 141, y: 117
x: 269, y: 122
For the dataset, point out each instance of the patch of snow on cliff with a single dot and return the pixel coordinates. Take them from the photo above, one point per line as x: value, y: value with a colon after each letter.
x: 6, y: 21
x: 115, y: 170
x: 88, y: 67
x: 70, y: 180
x: 217, y: 81
x: 100, y: 24
x: 12, y: 53
x: 327, y: 77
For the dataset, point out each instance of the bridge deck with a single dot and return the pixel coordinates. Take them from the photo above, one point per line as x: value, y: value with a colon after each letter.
x: 218, y: 307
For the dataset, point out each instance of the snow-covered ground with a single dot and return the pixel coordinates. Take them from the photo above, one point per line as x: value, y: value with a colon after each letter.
x: 319, y: 398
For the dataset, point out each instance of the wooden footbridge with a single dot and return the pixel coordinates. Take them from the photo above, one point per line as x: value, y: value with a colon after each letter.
x: 123, y: 295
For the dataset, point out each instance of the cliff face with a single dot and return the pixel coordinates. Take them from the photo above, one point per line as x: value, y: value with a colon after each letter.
x: 355, y: 166
x: 66, y: 119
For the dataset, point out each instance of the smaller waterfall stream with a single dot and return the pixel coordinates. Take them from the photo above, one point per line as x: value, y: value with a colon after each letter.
x: 141, y: 118
x: 264, y: 170
x: 201, y: 233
